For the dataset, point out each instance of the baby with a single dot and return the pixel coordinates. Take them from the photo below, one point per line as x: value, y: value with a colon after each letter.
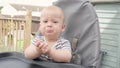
x: 50, y: 45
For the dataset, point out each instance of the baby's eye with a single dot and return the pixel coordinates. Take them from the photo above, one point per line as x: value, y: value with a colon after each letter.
x: 45, y: 21
x: 55, y: 22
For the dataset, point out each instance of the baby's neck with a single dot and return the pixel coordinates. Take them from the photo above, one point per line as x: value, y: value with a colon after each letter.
x: 51, y: 40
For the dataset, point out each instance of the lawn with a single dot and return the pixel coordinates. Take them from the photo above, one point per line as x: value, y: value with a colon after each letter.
x: 19, y: 47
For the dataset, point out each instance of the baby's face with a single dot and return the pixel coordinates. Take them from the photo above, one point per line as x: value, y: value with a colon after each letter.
x: 51, y: 23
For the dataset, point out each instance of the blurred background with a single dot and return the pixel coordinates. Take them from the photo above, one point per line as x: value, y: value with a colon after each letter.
x: 19, y: 22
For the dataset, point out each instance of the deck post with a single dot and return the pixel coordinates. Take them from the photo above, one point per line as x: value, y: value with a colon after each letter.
x: 27, y: 37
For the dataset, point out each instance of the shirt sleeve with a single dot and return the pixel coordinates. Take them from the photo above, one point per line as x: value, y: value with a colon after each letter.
x: 63, y: 44
x: 33, y: 42
x: 66, y: 45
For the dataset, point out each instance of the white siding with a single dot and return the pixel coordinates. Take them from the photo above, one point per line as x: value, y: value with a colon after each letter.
x: 109, y: 19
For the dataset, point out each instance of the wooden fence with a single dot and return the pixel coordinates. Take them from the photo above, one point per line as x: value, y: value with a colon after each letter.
x: 15, y: 33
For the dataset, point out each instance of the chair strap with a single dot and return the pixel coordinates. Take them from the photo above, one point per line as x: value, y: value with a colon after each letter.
x: 74, y: 44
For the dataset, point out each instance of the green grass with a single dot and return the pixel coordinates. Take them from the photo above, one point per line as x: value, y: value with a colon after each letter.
x: 19, y: 47
x: 10, y: 47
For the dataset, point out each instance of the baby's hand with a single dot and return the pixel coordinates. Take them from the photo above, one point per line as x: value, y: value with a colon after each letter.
x: 39, y: 46
x: 42, y: 47
x: 45, y: 49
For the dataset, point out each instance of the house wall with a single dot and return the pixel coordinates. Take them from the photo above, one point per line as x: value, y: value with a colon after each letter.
x: 105, y: 1
x: 109, y: 21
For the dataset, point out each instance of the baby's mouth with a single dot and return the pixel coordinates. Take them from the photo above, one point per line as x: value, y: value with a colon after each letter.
x: 49, y: 31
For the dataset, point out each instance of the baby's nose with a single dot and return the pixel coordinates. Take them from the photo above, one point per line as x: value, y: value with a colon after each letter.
x: 49, y: 24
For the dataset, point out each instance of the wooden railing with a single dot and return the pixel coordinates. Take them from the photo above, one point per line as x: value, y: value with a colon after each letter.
x: 15, y: 33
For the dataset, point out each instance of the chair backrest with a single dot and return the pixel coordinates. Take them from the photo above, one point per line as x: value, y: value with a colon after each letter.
x: 82, y: 23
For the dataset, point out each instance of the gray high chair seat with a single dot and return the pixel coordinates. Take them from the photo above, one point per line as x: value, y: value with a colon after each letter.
x: 82, y: 30
x: 82, y: 25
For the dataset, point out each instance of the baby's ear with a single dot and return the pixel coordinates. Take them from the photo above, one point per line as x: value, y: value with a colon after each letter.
x: 63, y: 28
